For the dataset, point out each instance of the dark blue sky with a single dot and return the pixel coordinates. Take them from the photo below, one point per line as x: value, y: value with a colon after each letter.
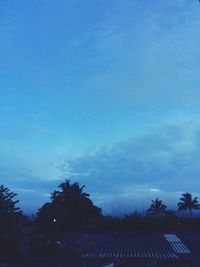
x: 103, y: 92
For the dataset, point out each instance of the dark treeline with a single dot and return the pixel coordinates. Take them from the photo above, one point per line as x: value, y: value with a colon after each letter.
x: 70, y: 210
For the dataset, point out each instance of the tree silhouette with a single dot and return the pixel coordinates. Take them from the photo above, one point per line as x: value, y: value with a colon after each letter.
x: 68, y: 190
x: 10, y: 218
x: 188, y: 203
x: 157, y: 208
x: 70, y: 208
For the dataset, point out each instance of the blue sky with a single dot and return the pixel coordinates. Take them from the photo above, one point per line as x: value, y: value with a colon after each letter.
x: 103, y: 92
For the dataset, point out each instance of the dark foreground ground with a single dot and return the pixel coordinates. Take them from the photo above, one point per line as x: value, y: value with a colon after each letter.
x: 124, y: 249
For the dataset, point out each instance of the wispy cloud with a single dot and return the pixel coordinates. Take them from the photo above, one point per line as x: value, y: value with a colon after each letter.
x: 162, y: 160
x: 153, y: 56
x: 21, y: 132
x: 107, y: 79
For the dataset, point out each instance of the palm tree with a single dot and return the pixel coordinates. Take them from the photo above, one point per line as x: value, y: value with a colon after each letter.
x: 69, y: 190
x: 157, y: 208
x: 188, y: 203
x: 70, y: 208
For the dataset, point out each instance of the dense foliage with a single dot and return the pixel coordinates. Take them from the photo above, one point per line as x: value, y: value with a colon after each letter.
x: 10, y: 218
x: 70, y: 209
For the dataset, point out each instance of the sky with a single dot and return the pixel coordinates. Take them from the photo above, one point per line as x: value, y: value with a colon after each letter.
x: 105, y: 93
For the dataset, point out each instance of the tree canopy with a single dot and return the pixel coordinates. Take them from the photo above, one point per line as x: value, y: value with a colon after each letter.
x: 187, y: 202
x: 157, y: 208
x: 10, y: 218
x: 70, y: 208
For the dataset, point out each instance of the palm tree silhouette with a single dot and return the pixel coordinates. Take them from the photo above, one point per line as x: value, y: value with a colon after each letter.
x: 69, y: 190
x: 157, y: 208
x: 188, y: 203
x: 70, y: 207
